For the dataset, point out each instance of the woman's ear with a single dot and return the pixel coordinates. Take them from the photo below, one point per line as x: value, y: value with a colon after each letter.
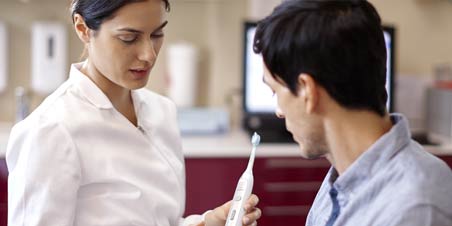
x: 82, y: 30
x: 308, y: 91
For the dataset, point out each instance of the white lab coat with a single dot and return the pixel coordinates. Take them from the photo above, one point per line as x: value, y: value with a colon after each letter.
x: 77, y: 161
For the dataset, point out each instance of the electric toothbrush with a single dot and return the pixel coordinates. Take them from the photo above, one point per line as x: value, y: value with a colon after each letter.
x: 243, y: 189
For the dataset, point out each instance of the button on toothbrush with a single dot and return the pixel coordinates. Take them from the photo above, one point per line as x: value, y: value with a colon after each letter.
x: 243, y: 189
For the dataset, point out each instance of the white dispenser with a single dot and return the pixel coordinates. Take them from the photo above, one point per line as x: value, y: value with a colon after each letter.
x: 182, y: 59
x: 49, y: 56
x: 3, y: 57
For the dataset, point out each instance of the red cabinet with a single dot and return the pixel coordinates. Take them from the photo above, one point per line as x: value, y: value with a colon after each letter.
x: 3, y: 192
x: 211, y: 182
x: 447, y: 159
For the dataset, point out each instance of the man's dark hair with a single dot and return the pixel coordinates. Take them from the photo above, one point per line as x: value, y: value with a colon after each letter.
x: 339, y: 43
x: 94, y: 12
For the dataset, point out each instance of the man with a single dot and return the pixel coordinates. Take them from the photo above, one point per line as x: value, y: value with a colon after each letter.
x: 326, y: 62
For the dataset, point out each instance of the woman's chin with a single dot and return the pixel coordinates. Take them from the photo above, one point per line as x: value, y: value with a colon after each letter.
x: 137, y: 84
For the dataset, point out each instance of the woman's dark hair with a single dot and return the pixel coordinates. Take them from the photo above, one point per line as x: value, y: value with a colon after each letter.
x: 94, y: 12
x: 340, y: 43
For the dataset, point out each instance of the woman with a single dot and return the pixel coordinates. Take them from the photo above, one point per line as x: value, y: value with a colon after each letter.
x: 100, y: 150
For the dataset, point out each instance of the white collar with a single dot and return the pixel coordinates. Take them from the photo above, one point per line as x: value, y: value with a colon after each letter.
x: 88, y: 88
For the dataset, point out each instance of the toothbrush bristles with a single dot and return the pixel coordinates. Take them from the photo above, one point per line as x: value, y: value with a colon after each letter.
x: 255, y: 140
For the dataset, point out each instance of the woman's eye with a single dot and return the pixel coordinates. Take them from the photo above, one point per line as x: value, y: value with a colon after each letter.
x: 128, y: 39
x: 157, y: 35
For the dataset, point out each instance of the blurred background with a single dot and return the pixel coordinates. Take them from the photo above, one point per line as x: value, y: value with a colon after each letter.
x: 215, y: 29
x: 201, y: 67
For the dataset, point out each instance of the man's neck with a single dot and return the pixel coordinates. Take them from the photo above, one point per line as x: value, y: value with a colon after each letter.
x: 350, y: 133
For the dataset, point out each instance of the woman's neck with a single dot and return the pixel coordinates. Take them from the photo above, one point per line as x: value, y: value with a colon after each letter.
x: 120, y: 97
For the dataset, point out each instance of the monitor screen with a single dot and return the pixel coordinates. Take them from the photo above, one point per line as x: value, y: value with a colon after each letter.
x: 259, y: 99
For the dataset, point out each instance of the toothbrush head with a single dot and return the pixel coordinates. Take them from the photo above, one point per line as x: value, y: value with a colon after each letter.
x: 256, y: 139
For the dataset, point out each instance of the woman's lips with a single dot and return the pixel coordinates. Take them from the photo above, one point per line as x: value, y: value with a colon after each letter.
x: 139, y: 73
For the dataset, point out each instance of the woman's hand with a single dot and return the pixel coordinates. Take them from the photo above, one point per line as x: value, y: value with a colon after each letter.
x: 218, y: 216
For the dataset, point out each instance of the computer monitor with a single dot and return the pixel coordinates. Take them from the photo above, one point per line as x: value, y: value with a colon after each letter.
x: 259, y: 103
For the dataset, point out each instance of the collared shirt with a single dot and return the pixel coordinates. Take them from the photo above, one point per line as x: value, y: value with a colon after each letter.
x: 395, y: 182
x: 77, y: 161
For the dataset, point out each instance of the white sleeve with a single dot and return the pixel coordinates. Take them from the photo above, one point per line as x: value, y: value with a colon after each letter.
x: 44, y: 175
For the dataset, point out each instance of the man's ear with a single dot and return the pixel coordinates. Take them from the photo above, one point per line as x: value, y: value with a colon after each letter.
x: 308, y: 90
x: 82, y: 30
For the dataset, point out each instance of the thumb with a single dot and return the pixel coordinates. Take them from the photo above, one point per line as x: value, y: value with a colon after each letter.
x: 224, y: 210
x: 218, y: 215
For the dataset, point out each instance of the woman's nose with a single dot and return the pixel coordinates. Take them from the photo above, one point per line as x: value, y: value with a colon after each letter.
x: 279, y: 113
x: 148, y: 53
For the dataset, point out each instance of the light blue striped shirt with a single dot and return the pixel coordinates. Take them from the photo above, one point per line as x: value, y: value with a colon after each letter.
x: 395, y: 182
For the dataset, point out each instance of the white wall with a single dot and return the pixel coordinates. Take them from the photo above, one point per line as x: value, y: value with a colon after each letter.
x: 424, y: 33
x: 424, y: 29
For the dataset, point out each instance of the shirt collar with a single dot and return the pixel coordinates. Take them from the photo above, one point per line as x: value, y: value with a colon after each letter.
x: 88, y: 88
x: 138, y: 99
x: 141, y: 109
x: 374, y: 158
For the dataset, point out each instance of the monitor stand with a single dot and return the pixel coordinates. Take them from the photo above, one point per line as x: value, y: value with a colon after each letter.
x: 274, y: 136
x: 269, y: 127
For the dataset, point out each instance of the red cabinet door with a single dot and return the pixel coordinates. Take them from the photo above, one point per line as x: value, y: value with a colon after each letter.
x: 211, y: 182
x: 447, y: 159
x: 3, y: 192
x: 286, y: 186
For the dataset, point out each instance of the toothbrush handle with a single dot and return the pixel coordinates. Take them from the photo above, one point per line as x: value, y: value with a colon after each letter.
x: 241, y: 195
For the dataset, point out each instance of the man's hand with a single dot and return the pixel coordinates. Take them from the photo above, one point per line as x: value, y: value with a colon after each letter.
x: 218, y: 216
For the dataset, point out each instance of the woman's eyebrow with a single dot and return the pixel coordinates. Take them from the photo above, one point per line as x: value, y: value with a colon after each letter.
x: 132, y: 30
x: 161, y: 26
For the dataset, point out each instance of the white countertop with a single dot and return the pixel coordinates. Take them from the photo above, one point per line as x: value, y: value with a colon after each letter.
x: 238, y: 144
x: 4, y: 134
x: 233, y: 144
